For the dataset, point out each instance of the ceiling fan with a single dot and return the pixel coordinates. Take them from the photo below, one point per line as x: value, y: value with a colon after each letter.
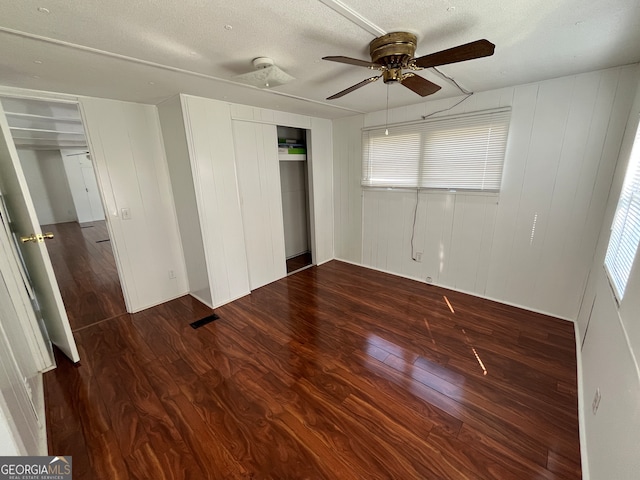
x: 392, y: 53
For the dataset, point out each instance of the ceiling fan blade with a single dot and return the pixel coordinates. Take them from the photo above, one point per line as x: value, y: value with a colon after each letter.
x: 468, y: 51
x: 353, y: 61
x: 419, y: 85
x: 353, y: 87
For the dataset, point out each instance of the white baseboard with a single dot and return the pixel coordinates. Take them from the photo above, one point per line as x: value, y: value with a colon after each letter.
x: 584, y: 460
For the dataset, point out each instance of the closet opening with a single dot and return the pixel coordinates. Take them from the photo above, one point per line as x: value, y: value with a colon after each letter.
x: 294, y: 184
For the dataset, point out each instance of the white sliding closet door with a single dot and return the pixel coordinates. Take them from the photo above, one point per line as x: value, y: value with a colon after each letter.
x: 256, y: 147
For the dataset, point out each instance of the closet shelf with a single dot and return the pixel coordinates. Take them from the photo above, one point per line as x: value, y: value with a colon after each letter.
x: 286, y: 157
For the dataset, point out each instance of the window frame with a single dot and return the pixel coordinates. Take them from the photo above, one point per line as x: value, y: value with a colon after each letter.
x: 487, y: 132
x: 621, y: 238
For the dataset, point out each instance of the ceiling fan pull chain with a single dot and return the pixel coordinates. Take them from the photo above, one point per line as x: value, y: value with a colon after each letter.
x: 386, y: 120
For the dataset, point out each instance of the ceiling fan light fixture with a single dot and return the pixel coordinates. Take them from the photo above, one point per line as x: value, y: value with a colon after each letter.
x: 393, y: 52
x: 266, y: 75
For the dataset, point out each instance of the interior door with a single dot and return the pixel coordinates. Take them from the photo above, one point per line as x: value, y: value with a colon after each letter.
x: 24, y: 224
x: 93, y: 195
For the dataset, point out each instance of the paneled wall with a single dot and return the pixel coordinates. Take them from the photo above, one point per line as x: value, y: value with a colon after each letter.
x: 610, y: 337
x: 293, y: 182
x: 533, y: 244
x: 210, y: 142
x: 132, y: 172
x: 258, y: 170
x: 174, y: 135
x: 47, y: 181
x: 451, y: 235
x: 347, y: 173
x: 320, y: 154
x: 81, y: 177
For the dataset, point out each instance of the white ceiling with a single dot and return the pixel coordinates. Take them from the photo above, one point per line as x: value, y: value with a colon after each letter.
x: 148, y: 51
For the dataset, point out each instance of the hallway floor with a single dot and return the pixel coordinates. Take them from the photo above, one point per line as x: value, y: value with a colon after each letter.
x: 86, y: 272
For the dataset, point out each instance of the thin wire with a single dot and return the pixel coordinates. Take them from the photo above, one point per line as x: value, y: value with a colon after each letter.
x: 424, y: 117
x: 467, y: 95
x: 463, y: 90
x: 413, y: 229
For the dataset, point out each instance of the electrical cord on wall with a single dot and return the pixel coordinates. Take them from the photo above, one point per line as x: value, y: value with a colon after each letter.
x: 413, y: 229
x: 467, y: 94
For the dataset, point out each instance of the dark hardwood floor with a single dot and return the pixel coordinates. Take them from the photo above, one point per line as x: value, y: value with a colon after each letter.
x: 298, y: 262
x: 86, y: 271
x: 336, y: 372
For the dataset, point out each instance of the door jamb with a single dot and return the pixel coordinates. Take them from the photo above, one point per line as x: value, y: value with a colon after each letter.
x: 11, y: 92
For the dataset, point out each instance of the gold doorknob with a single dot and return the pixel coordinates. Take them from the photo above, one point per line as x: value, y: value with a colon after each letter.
x: 40, y: 237
x: 30, y: 238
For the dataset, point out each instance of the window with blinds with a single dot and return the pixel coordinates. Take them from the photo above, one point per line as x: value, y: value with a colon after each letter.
x: 461, y: 152
x: 625, y: 231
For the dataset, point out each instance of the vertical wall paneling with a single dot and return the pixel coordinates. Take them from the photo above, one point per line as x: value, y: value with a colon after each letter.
x: 130, y: 164
x: 320, y: 156
x: 458, y: 260
x: 513, y: 175
x: 210, y: 141
x: 256, y: 147
x: 542, y: 160
x: 474, y: 222
x: 45, y: 175
x: 293, y: 180
x: 603, y: 188
x: 347, y: 171
x: 81, y: 178
x: 610, y: 333
x: 533, y: 244
x: 175, y: 141
x: 608, y: 363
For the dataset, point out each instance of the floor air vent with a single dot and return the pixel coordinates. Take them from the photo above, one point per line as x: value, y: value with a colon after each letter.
x: 203, y: 321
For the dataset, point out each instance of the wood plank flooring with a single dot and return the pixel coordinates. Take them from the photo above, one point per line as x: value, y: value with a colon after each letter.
x: 86, y: 271
x: 336, y: 372
x: 298, y: 262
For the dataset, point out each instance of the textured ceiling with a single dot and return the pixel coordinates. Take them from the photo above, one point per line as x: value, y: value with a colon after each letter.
x: 148, y: 51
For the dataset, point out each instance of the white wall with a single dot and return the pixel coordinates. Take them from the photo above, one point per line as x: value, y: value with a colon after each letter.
x: 131, y: 167
x: 182, y: 183
x: 535, y: 246
x: 83, y: 185
x: 611, y: 349
x: 210, y: 142
x: 293, y: 182
x: 258, y: 171
x: 347, y: 173
x: 320, y: 155
x: 47, y: 181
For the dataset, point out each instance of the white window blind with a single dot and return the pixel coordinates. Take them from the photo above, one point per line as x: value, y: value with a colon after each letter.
x: 625, y: 231
x: 461, y: 152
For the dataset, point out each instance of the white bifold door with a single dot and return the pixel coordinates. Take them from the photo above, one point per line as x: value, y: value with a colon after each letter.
x: 258, y: 169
